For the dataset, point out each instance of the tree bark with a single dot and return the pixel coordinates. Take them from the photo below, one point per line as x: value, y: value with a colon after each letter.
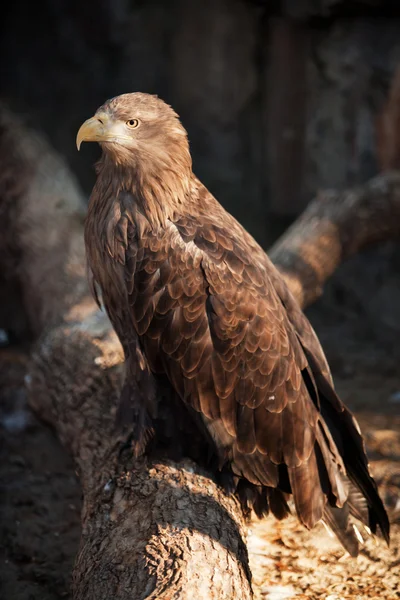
x: 156, y: 530
x: 335, y: 226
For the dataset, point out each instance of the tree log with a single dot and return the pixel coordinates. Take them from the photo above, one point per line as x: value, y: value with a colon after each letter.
x: 156, y: 530
x: 335, y: 226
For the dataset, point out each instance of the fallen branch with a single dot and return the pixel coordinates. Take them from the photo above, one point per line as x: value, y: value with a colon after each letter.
x: 335, y: 226
x: 149, y: 529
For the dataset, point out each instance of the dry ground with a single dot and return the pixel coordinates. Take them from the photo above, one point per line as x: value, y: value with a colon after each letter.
x: 40, y: 495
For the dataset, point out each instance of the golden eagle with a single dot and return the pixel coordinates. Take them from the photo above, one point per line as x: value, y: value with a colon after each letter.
x: 219, y: 355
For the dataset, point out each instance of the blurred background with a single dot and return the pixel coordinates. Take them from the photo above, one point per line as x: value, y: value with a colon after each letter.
x: 281, y: 98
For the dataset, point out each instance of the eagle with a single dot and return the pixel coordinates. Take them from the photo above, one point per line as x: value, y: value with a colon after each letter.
x: 221, y: 364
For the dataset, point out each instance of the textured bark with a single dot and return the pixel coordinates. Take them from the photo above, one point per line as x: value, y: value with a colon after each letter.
x: 335, y: 226
x: 149, y: 530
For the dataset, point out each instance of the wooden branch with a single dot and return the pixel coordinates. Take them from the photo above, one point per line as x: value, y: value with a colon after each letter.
x: 335, y: 226
x: 149, y: 529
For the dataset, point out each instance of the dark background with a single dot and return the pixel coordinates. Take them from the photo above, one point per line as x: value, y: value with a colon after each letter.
x: 280, y: 99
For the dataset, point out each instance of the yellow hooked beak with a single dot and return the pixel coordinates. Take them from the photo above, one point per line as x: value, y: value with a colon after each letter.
x: 93, y: 130
x: 102, y: 128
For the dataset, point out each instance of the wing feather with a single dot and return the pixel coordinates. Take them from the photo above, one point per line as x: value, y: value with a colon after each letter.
x: 216, y: 318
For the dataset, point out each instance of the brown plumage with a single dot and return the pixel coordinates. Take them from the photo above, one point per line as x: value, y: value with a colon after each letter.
x: 220, y: 359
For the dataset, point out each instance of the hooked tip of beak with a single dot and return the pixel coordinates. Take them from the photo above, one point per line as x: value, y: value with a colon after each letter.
x: 91, y: 130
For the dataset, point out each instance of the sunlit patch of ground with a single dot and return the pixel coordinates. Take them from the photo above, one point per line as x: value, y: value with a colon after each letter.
x: 288, y: 561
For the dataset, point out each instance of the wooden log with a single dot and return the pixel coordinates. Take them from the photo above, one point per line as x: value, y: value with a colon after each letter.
x: 335, y: 226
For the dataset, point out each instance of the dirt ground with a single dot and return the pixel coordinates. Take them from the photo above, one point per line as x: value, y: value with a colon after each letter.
x: 40, y: 494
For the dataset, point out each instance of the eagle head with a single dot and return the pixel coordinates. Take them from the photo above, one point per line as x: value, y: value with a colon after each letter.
x: 137, y: 129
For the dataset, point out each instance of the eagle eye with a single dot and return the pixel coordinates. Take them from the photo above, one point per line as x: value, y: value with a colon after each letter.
x: 132, y: 123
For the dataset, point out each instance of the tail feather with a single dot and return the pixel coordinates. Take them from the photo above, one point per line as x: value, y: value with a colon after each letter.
x: 358, y: 505
x: 308, y: 495
x: 278, y: 504
x: 356, y: 464
x: 262, y: 499
x: 346, y: 435
x: 330, y: 461
x: 337, y: 519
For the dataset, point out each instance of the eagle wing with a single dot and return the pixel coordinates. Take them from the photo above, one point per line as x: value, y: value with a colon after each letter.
x: 215, y: 317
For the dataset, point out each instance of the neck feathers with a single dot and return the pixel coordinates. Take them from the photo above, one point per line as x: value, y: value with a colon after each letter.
x: 159, y: 185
